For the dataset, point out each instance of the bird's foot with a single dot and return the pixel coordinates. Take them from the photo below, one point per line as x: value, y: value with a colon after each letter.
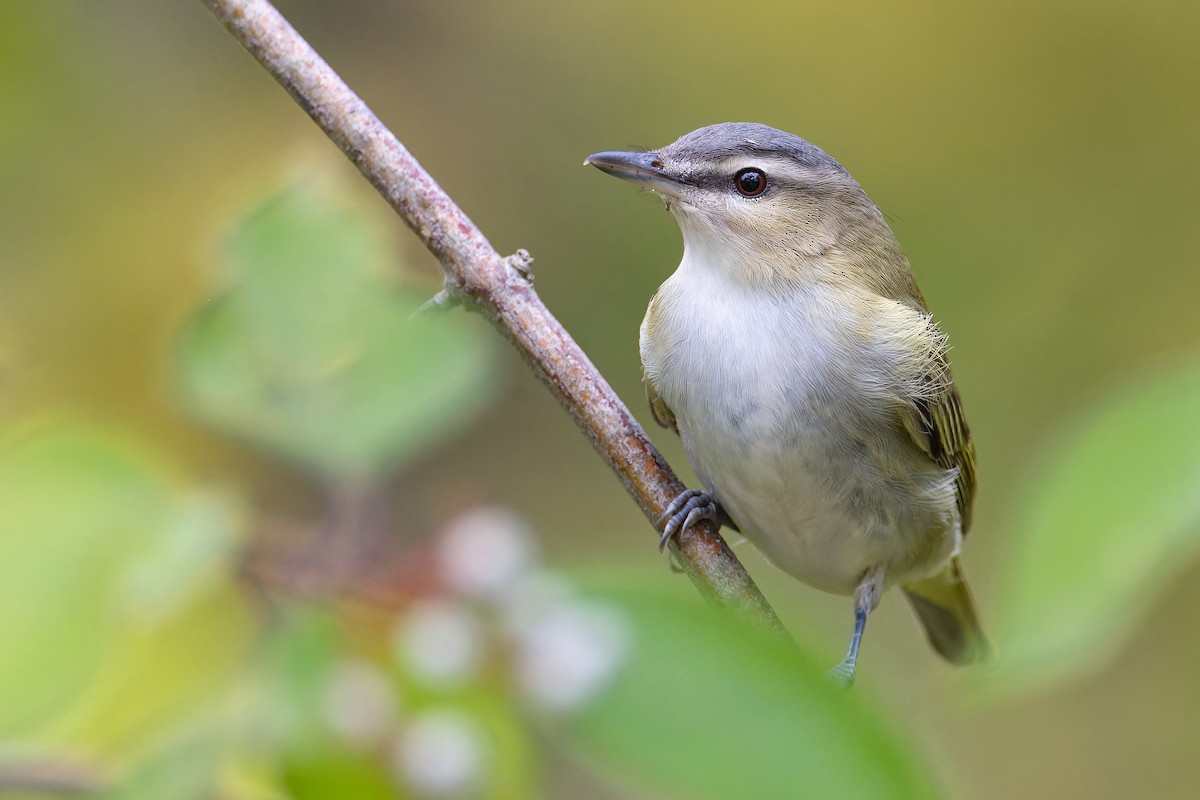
x: 842, y: 674
x: 690, y: 507
x: 867, y: 594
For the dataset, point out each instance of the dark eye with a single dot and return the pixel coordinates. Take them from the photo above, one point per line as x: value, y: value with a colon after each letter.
x: 750, y: 182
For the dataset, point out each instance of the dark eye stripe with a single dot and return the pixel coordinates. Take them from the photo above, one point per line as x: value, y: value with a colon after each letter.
x: 723, y: 181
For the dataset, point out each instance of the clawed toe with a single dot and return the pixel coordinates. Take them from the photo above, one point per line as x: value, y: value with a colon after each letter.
x: 690, y: 507
x: 677, y: 505
x: 842, y: 674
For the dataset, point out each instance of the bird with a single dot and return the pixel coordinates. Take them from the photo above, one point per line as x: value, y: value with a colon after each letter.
x: 794, y: 355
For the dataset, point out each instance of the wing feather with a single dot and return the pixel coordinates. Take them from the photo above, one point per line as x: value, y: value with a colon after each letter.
x: 663, y: 414
x: 937, y: 425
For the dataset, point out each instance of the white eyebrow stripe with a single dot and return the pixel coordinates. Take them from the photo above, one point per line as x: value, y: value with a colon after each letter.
x: 774, y: 166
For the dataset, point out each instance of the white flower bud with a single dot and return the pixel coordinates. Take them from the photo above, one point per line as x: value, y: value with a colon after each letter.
x: 439, y: 642
x: 483, y: 552
x: 442, y: 754
x: 569, y: 655
x: 360, y: 702
x: 526, y: 601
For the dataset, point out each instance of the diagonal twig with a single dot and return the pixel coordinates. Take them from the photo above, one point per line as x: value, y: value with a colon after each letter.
x: 497, y: 287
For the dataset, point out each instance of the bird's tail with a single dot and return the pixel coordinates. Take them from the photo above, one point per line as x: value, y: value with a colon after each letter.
x: 947, y: 613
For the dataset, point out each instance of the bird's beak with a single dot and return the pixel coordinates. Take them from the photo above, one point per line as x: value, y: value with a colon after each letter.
x: 641, y: 168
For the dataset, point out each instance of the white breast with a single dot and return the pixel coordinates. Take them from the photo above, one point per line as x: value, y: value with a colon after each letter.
x: 787, y: 405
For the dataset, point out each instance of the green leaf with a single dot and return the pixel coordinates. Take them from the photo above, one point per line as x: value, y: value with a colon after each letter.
x: 1108, y: 521
x: 158, y: 678
x: 313, y: 355
x: 302, y: 654
x: 336, y: 773
x: 78, y: 506
x: 707, y: 707
x: 114, y: 592
x: 186, y: 767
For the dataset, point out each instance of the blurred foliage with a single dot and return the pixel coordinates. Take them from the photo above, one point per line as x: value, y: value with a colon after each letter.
x: 708, y: 708
x: 104, y: 559
x: 328, y: 746
x: 311, y: 354
x: 1082, y: 573
x: 1037, y: 160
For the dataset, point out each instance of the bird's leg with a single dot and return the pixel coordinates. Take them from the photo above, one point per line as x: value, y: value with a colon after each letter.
x: 690, y: 507
x: 866, y: 598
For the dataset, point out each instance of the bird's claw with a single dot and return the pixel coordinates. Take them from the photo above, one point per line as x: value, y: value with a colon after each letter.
x: 842, y: 673
x: 690, y: 507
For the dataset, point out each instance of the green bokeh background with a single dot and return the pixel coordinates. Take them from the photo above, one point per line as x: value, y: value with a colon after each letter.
x: 1037, y: 160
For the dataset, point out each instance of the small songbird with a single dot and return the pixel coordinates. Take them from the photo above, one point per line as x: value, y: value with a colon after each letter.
x: 794, y: 355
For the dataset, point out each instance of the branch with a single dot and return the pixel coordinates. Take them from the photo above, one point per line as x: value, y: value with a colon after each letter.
x: 49, y: 776
x: 497, y: 287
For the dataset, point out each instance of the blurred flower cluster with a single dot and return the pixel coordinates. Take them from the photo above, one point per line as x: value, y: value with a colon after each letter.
x: 492, y: 622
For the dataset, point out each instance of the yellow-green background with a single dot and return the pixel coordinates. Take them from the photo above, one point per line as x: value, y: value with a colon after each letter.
x: 1038, y: 161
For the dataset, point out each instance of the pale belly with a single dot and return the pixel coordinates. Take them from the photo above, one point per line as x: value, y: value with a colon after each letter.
x: 822, y: 513
x: 789, y: 428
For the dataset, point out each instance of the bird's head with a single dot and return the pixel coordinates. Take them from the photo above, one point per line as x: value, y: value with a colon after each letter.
x: 759, y: 200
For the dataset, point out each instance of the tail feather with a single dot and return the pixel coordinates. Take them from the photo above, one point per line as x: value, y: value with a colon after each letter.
x: 944, y: 607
